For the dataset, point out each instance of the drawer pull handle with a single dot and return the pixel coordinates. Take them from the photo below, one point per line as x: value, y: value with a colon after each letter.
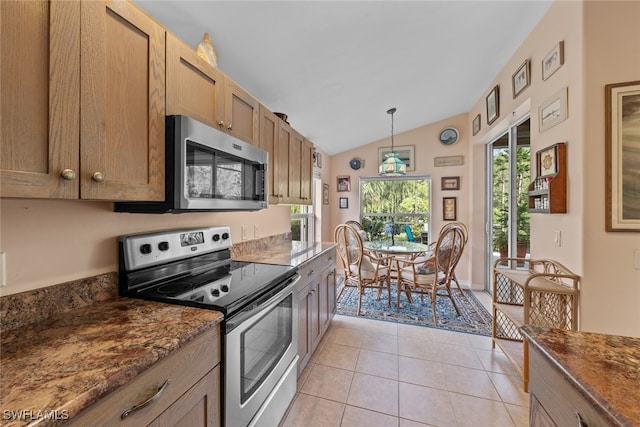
x: 147, y: 402
x: 581, y: 422
x: 311, y: 272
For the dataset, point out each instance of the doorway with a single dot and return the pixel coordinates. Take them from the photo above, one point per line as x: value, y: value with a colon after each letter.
x: 508, y: 178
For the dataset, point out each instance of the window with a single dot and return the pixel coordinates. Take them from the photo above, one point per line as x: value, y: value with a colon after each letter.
x: 305, y: 217
x: 404, y: 200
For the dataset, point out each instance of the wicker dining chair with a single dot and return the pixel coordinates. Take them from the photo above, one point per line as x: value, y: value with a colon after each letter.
x: 433, y: 276
x: 362, y: 269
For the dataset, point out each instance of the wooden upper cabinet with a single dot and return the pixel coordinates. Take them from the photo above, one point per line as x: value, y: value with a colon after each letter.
x: 122, y: 96
x: 283, y: 162
x: 268, y: 141
x: 295, y: 168
x: 39, y: 106
x: 241, y: 115
x: 194, y: 87
x: 306, y: 172
x: 82, y: 101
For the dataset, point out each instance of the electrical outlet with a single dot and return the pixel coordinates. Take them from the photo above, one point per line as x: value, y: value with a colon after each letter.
x: 256, y: 231
x: 244, y: 230
x: 557, y: 238
x: 3, y: 269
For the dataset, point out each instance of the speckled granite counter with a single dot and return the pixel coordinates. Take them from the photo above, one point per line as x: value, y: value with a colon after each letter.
x: 286, y: 253
x: 603, y: 369
x: 68, y: 361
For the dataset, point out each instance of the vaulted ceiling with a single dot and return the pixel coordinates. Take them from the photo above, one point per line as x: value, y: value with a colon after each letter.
x: 336, y: 67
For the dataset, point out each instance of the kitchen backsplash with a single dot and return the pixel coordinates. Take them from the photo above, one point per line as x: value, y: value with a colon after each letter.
x: 39, y: 304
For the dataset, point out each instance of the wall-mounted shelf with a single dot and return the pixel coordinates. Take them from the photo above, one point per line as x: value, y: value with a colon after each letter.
x: 548, y: 191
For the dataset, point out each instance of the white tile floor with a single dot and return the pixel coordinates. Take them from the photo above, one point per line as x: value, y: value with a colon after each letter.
x: 373, y: 373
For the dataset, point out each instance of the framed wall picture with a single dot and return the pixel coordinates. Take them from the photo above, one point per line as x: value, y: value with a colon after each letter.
x: 450, y: 183
x: 553, y: 110
x: 553, y: 61
x: 476, y: 124
x: 406, y: 153
x: 449, y: 208
x: 493, y: 104
x: 622, y: 125
x: 521, y: 79
x: 344, y: 183
x: 547, y: 161
x: 344, y: 202
x: 325, y: 194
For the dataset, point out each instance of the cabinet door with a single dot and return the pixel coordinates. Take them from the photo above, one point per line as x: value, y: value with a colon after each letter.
x: 194, y: 87
x: 198, y: 407
x: 269, y: 143
x: 304, y: 326
x: 315, y: 314
x: 39, y: 106
x: 306, y: 171
x: 295, y: 154
x: 123, y: 103
x: 241, y: 112
x: 283, y: 160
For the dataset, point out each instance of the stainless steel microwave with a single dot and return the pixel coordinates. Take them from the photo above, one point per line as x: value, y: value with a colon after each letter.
x: 207, y: 170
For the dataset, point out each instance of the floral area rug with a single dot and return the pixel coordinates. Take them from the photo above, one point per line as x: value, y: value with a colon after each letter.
x: 474, y: 318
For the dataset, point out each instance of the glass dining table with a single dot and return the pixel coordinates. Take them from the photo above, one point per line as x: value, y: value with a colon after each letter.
x: 395, y: 251
x: 411, y: 249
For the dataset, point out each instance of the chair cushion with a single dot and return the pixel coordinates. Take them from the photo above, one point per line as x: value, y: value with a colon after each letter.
x: 368, y: 270
x: 363, y: 235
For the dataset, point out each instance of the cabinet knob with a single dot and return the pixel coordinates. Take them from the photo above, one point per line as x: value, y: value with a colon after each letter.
x: 68, y: 174
x: 221, y: 123
x: 230, y: 127
x: 97, y: 177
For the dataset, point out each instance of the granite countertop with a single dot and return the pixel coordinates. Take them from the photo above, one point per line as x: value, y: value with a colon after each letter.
x: 604, y: 369
x: 67, y: 362
x: 293, y: 253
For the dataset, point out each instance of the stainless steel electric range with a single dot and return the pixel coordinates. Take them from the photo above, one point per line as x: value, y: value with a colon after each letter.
x: 194, y: 267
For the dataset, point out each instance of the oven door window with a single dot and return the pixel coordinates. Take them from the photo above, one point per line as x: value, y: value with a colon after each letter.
x: 213, y: 174
x: 263, y: 344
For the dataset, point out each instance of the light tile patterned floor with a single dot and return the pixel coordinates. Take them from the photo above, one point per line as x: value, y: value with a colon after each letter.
x: 375, y: 374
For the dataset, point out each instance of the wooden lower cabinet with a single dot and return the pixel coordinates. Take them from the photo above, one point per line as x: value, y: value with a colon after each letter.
x: 190, y: 396
x: 553, y: 400
x: 316, y: 304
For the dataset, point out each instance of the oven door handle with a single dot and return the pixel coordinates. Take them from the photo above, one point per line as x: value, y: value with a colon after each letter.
x: 264, y: 303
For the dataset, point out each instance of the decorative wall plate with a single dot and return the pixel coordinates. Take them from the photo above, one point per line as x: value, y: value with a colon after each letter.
x: 355, y: 164
x: 449, y: 136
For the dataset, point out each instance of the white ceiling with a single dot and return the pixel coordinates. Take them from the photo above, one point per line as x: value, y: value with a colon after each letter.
x: 336, y: 67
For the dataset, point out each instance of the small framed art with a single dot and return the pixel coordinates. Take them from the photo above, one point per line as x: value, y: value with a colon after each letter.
x: 548, y: 161
x: 449, y: 208
x: 521, y: 79
x: 553, y: 110
x: 450, y: 183
x: 344, y: 183
x: 476, y: 124
x: 344, y: 202
x: 493, y: 105
x: 325, y: 194
x: 553, y: 61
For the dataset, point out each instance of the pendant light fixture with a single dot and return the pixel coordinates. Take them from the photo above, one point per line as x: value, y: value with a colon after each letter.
x: 392, y: 165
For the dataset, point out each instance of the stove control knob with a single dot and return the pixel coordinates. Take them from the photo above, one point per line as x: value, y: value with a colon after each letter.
x: 216, y: 237
x: 215, y: 292
x: 224, y: 288
x: 225, y: 236
x: 163, y: 246
x: 145, y: 249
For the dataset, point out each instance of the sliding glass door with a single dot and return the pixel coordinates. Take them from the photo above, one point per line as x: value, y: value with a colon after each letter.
x: 508, y: 176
